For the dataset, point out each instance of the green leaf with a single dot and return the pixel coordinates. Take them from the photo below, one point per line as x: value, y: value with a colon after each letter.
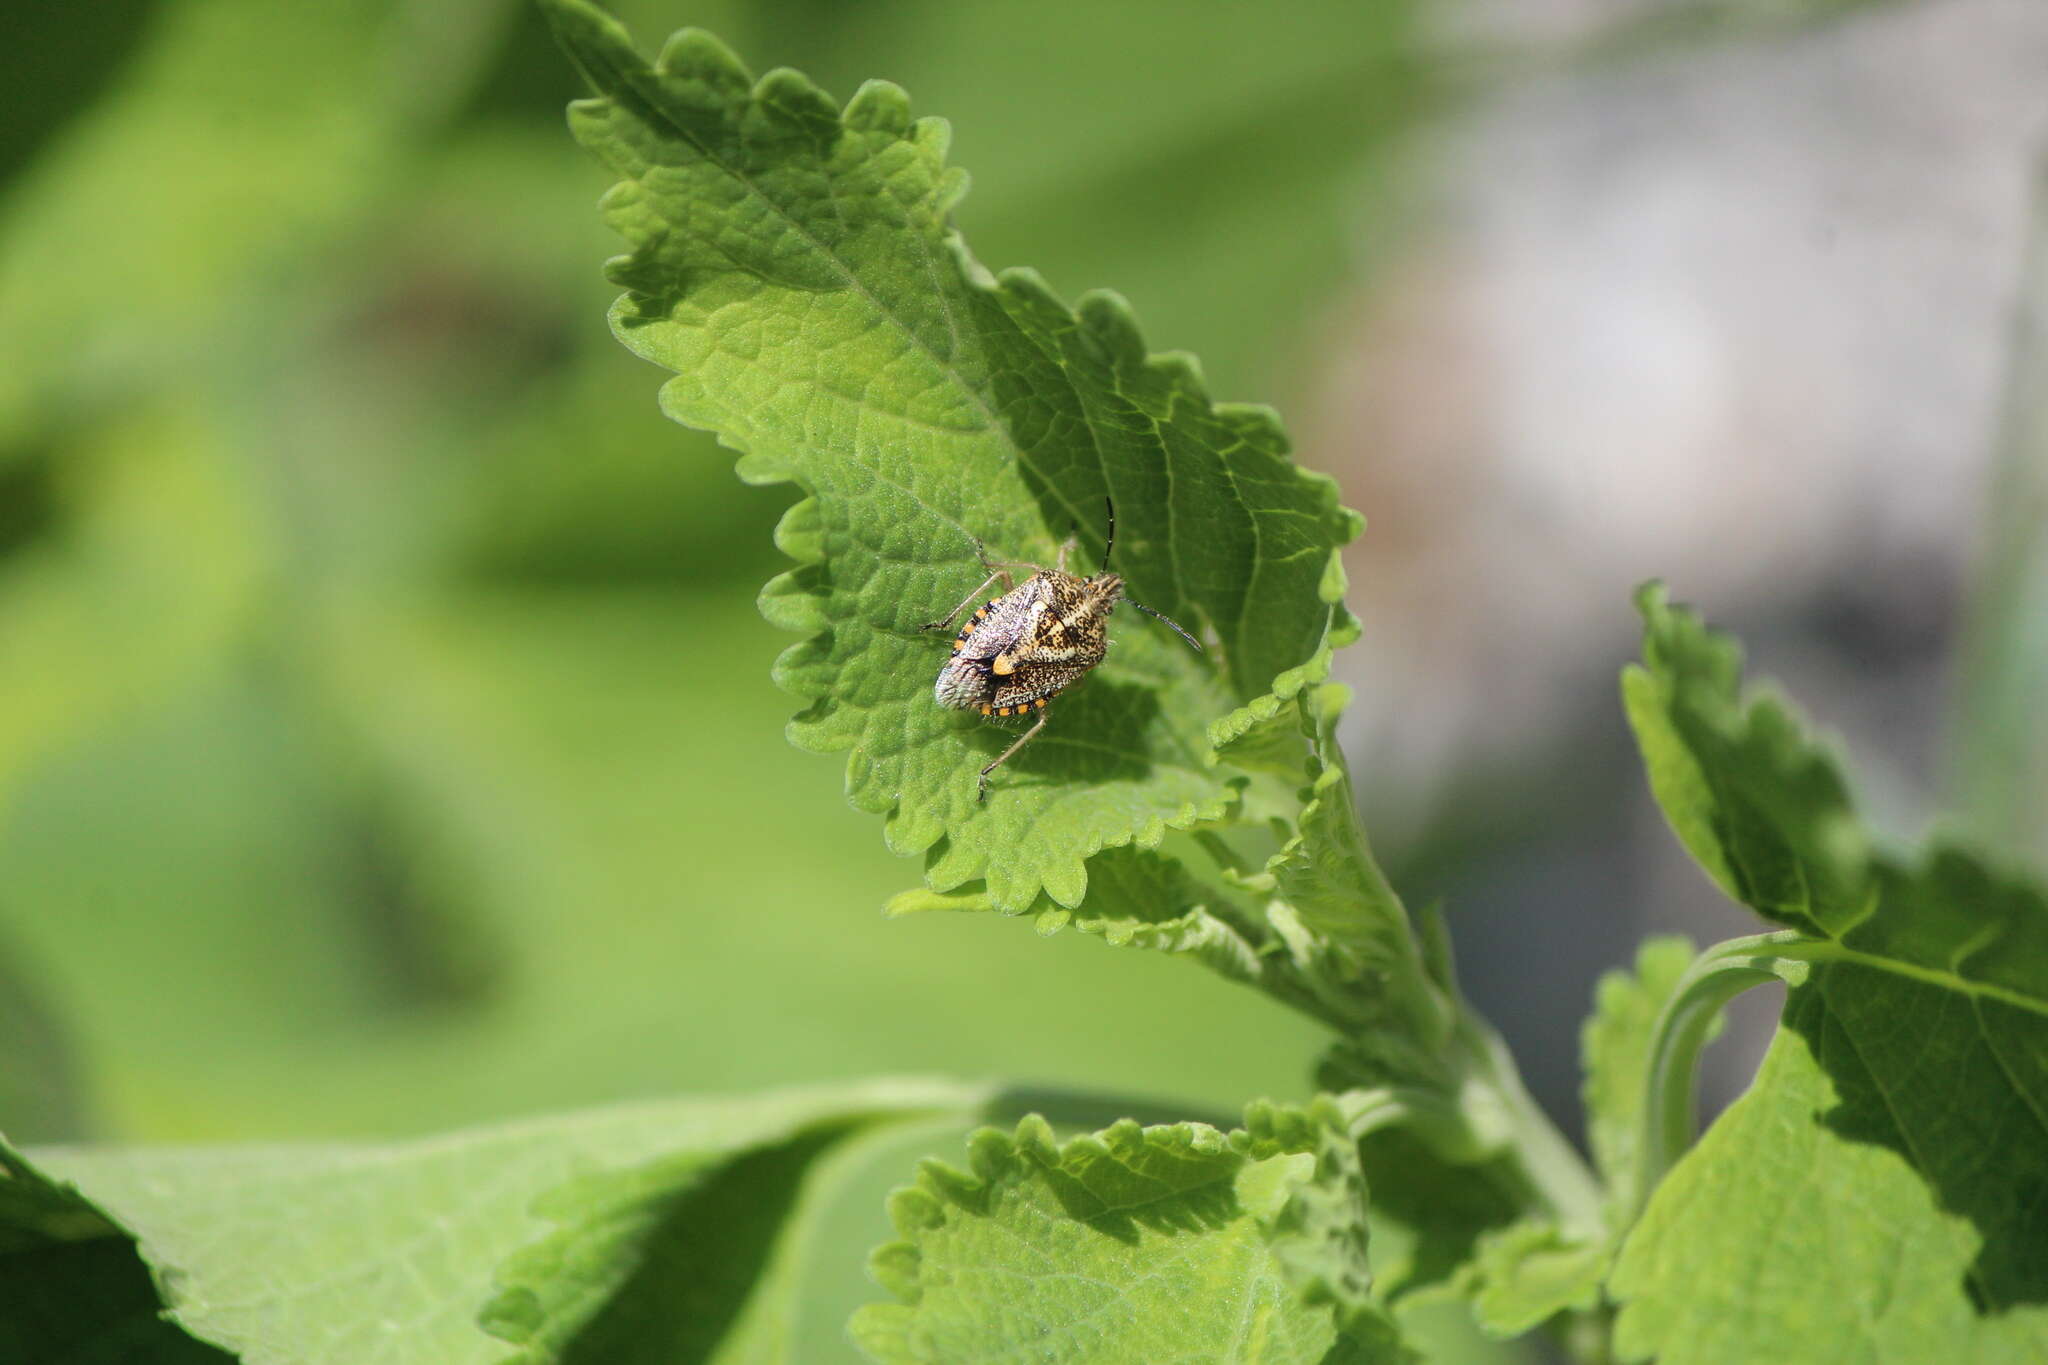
x: 654, y: 1262
x: 1347, y: 927
x: 1527, y: 1274
x: 1318, y: 928
x: 698, y: 1256
x: 1166, y: 1243
x: 1877, y: 1193
x: 36, y: 1211
x: 1412, y: 1053
x: 1142, y: 898
x: 558, y: 1233
x: 1879, y: 1189
x: 792, y: 262
x: 72, y: 1290
x: 1429, y: 1216
x: 81, y: 1303
x: 1767, y: 813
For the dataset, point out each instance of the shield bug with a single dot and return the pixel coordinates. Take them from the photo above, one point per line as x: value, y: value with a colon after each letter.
x: 1020, y: 650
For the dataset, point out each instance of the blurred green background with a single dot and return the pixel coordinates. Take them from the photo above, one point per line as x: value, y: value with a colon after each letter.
x: 386, y: 739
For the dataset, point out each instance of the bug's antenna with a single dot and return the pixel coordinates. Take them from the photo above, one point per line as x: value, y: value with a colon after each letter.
x: 1110, y: 544
x: 1159, y: 616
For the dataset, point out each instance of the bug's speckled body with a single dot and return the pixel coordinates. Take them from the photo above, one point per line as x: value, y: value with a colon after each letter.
x: 1024, y: 648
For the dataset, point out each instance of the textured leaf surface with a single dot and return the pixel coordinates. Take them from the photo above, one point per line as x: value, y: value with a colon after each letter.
x: 1178, y: 1243
x: 357, y: 1253
x: 1879, y: 1191
x: 689, y: 1258
x: 1317, y: 927
x: 1876, y: 1195
x: 793, y: 264
x: 1144, y: 899
x: 1430, y: 1216
x: 1423, y: 1081
x: 1526, y: 1274
x: 1344, y: 923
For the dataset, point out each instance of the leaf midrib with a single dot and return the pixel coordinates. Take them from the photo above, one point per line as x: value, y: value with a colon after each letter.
x: 1799, y: 947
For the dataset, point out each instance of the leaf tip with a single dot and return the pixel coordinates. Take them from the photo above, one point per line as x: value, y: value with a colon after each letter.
x: 1107, y: 317
x: 513, y: 1314
x: 1029, y: 290
x: 692, y: 54
x: 1034, y: 1137
x: 1259, y: 424
x: 1181, y: 371
x: 792, y: 105
x: 879, y: 107
x: 912, y: 1208
x: 1050, y: 921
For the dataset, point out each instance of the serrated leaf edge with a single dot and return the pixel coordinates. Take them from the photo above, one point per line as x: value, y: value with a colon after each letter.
x: 595, y: 40
x: 996, y: 1157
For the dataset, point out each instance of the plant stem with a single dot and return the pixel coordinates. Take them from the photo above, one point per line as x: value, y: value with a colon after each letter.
x: 1222, y: 854
x: 1588, y: 1337
x: 1558, y: 1176
x: 1718, y: 975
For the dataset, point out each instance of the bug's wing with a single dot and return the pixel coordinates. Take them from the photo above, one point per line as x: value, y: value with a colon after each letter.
x: 1022, y: 688
x: 964, y: 684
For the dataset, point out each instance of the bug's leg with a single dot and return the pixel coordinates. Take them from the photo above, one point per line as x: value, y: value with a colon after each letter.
x: 996, y: 567
x: 1004, y: 756
x: 975, y: 592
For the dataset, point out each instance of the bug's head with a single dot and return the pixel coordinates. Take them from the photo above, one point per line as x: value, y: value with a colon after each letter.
x: 1103, y: 590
